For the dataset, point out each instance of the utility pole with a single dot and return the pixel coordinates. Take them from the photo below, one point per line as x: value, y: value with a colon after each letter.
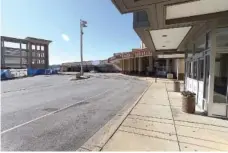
x: 82, y: 25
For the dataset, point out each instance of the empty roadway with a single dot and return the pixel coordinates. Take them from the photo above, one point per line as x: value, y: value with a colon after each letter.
x: 53, y: 113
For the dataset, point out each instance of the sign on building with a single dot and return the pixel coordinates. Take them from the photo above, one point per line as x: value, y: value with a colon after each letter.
x: 142, y: 53
x: 97, y: 62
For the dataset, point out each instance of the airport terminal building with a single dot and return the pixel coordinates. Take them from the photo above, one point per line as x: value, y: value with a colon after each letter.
x: 142, y: 61
x: 197, y: 29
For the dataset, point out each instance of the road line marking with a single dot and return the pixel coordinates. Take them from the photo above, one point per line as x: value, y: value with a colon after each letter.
x: 20, y: 125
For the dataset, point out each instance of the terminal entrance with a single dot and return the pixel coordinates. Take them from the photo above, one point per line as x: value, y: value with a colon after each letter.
x: 207, y: 75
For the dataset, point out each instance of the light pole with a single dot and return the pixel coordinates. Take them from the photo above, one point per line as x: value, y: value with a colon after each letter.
x: 82, y: 25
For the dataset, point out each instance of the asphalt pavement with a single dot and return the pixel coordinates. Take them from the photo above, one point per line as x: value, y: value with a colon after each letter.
x: 53, y: 113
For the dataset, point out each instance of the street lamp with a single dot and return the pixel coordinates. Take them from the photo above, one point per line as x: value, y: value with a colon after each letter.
x: 83, y: 24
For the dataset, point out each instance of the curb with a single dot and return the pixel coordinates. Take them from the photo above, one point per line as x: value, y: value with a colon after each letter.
x: 102, y: 136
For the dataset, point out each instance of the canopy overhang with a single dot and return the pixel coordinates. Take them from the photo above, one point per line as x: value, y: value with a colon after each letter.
x: 176, y: 19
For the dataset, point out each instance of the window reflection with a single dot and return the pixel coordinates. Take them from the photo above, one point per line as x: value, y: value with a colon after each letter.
x: 195, y: 70
x: 221, y: 66
x: 220, y: 82
x: 200, y: 44
x: 201, y: 69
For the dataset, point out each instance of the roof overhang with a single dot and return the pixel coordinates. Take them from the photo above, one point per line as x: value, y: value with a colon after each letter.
x: 166, y: 39
x: 128, y: 6
x: 195, y: 8
x: 26, y: 40
x: 37, y: 40
x: 173, y: 9
x: 177, y: 18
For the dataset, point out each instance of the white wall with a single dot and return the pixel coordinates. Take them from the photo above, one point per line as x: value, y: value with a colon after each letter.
x: 196, y: 8
x: 181, y: 65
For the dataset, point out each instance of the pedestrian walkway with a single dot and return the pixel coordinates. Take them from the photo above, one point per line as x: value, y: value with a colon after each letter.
x: 157, y: 124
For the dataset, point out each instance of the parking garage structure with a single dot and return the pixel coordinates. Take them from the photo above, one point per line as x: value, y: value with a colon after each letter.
x: 24, y: 53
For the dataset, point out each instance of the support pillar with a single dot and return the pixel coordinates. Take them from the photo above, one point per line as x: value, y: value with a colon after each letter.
x: 121, y: 65
x: 150, y: 61
x: 185, y: 70
x: 132, y: 65
x: 140, y: 66
x: 167, y: 65
x: 135, y: 66
x: 30, y: 58
x: 3, y: 54
x: 20, y: 56
x: 46, y: 56
x: 212, y: 71
x: 129, y: 65
x: 150, y: 65
x: 124, y: 66
x: 177, y: 63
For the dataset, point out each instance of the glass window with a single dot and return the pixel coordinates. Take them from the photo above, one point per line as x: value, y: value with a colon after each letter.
x: 189, y: 50
x: 141, y: 16
x: 42, y: 48
x: 33, y: 61
x: 208, y: 40
x: 200, y: 44
x: 38, y: 47
x: 195, y: 70
x: 220, y: 82
x: 189, y: 69
x: 189, y: 54
x: 33, y: 47
x: 201, y: 69
x: 222, y: 37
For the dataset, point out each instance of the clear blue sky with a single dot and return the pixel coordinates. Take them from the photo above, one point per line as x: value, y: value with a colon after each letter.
x: 108, y: 31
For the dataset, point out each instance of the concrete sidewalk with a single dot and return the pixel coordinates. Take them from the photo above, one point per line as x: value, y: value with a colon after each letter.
x: 157, y: 123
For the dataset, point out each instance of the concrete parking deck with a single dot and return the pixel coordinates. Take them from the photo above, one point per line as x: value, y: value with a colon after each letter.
x: 157, y: 124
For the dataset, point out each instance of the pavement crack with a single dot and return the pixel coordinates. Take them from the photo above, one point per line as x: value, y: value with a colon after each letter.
x: 149, y: 130
x: 172, y: 117
x: 50, y: 109
x: 201, y: 123
x: 74, y: 105
x: 149, y: 120
x: 150, y: 117
x: 147, y: 135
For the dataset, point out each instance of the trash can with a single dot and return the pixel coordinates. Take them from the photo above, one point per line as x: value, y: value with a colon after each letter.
x: 188, y: 102
x: 176, y: 86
